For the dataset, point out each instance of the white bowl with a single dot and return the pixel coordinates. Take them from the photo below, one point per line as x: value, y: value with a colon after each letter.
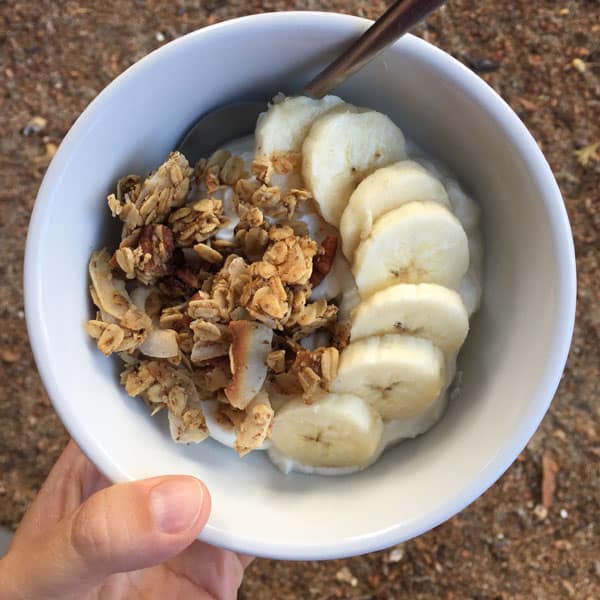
x: 514, y: 355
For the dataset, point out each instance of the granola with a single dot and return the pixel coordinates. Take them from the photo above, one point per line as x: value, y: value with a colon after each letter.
x: 200, y: 308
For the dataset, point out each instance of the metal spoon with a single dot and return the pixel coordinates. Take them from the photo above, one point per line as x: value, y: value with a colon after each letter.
x: 232, y: 121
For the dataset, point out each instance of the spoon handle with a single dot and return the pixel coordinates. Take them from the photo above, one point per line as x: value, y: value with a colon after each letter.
x: 396, y: 21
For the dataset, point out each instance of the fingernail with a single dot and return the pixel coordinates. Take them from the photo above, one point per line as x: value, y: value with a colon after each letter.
x: 176, y: 503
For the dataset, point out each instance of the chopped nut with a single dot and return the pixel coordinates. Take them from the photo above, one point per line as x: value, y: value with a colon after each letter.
x: 153, y: 257
x: 323, y: 260
x: 181, y: 283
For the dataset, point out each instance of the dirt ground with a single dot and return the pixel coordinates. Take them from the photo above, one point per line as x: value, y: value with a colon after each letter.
x: 521, y: 539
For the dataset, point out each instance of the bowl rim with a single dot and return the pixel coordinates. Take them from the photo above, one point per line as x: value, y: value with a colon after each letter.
x: 529, y: 152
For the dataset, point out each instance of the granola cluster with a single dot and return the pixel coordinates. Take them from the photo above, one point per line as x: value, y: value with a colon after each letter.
x: 199, y: 310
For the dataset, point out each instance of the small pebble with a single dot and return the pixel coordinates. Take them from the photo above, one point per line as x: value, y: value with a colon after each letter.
x: 8, y: 355
x: 482, y: 65
x: 540, y: 511
x: 563, y: 513
x: 579, y: 65
x: 159, y: 36
x: 345, y: 575
x: 35, y: 125
x: 396, y: 555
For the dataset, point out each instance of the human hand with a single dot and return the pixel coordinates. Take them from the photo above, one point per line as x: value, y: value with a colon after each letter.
x: 84, y: 538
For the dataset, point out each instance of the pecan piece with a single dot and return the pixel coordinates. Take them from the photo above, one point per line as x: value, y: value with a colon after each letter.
x: 323, y: 260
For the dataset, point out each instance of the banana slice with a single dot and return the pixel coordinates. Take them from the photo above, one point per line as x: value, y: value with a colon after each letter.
x: 420, y: 242
x: 282, y: 129
x: 399, y: 375
x: 425, y: 310
x: 337, y: 430
x: 382, y: 191
x: 341, y: 149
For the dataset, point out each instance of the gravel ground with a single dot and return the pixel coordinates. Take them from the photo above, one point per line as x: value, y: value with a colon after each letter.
x: 535, y: 533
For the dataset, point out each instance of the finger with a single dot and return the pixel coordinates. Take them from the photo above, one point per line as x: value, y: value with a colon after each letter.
x: 124, y: 527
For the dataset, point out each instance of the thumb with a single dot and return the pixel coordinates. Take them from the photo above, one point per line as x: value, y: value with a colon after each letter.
x: 124, y: 527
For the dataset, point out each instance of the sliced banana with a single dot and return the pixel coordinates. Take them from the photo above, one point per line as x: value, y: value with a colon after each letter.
x: 341, y: 149
x: 282, y: 129
x: 337, y: 430
x: 420, y: 242
x: 399, y: 375
x: 382, y: 191
x: 425, y: 310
